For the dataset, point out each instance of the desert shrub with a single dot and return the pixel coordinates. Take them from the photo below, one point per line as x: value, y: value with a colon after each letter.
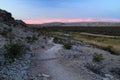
x: 5, y: 31
x: 31, y: 39
x: 97, y: 57
x: 7, y: 34
x: 13, y: 50
x: 67, y: 46
x: 55, y: 40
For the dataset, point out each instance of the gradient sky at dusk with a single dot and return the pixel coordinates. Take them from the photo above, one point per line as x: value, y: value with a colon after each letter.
x: 40, y: 11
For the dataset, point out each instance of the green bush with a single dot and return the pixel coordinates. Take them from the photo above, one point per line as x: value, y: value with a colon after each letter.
x: 67, y: 46
x: 97, y: 57
x: 13, y: 50
x: 55, y: 40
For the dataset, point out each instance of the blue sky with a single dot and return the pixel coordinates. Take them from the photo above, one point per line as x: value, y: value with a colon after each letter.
x: 62, y: 10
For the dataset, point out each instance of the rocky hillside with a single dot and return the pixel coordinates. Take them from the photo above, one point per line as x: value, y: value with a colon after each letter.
x: 17, y: 45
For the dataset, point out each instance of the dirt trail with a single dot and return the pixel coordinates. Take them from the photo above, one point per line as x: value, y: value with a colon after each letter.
x: 48, y: 63
x: 99, y: 35
x: 55, y: 69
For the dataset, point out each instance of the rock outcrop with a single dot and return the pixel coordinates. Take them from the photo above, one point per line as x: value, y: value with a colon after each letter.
x: 6, y: 18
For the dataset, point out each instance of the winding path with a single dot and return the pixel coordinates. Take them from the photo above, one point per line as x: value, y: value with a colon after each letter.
x: 48, y: 63
x: 56, y: 70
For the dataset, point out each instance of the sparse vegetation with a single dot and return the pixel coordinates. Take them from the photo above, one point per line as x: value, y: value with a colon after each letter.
x: 97, y: 57
x: 67, y: 46
x: 7, y: 33
x: 31, y: 39
x: 13, y: 50
x: 113, y: 30
x: 11, y: 36
x: 102, y: 42
x: 110, y: 44
x: 55, y: 40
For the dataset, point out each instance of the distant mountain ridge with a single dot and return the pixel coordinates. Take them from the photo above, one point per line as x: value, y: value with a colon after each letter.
x: 6, y: 18
x: 82, y: 24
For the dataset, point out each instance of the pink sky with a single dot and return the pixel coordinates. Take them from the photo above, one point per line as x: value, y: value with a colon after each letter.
x: 72, y: 20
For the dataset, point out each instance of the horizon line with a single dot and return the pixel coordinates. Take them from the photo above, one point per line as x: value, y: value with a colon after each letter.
x: 42, y: 21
